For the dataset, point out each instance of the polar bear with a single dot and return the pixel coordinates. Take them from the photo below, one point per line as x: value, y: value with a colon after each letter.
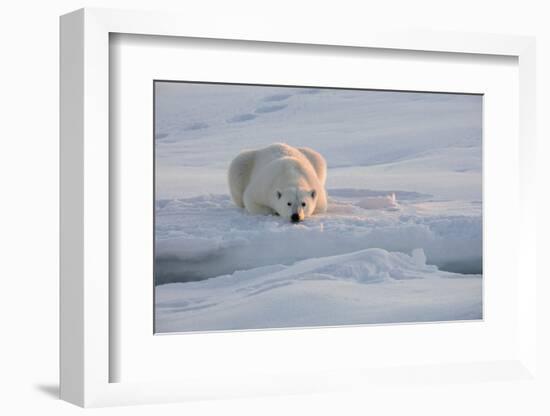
x: 279, y: 180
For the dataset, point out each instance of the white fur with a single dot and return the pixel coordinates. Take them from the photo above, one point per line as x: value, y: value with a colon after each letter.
x: 265, y: 181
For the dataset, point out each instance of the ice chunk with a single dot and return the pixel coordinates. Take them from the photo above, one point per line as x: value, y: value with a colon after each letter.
x: 379, y: 202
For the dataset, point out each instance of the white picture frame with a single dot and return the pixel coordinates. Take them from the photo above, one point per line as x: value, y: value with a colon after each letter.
x: 86, y: 355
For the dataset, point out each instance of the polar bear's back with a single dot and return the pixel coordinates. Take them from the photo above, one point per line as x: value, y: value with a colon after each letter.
x: 275, y: 151
x: 304, y: 155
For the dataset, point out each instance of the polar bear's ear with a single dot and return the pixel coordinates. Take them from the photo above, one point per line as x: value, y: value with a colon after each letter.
x: 279, y: 195
x: 313, y: 193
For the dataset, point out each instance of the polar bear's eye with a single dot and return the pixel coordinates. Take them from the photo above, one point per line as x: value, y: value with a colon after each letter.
x: 289, y: 204
x: 303, y: 204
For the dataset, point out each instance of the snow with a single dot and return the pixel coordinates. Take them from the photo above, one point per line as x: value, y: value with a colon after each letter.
x: 206, y: 236
x: 378, y: 202
x: 352, y: 288
x: 371, y: 258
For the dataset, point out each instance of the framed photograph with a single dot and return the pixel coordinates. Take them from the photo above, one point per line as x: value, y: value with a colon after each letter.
x: 381, y: 223
x: 270, y: 211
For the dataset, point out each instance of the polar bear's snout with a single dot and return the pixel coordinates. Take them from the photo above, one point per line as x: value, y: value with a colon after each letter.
x: 295, y: 218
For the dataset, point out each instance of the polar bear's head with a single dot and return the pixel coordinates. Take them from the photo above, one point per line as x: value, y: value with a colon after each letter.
x: 295, y: 204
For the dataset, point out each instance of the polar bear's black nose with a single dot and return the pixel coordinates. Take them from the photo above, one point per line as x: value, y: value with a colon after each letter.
x: 295, y: 218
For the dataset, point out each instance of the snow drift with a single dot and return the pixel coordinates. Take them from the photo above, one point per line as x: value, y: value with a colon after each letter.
x: 367, y: 286
x: 207, y: 236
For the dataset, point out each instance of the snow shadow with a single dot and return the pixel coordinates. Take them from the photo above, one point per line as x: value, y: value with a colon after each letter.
x: 270, y: 108
x: 241, y: 118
